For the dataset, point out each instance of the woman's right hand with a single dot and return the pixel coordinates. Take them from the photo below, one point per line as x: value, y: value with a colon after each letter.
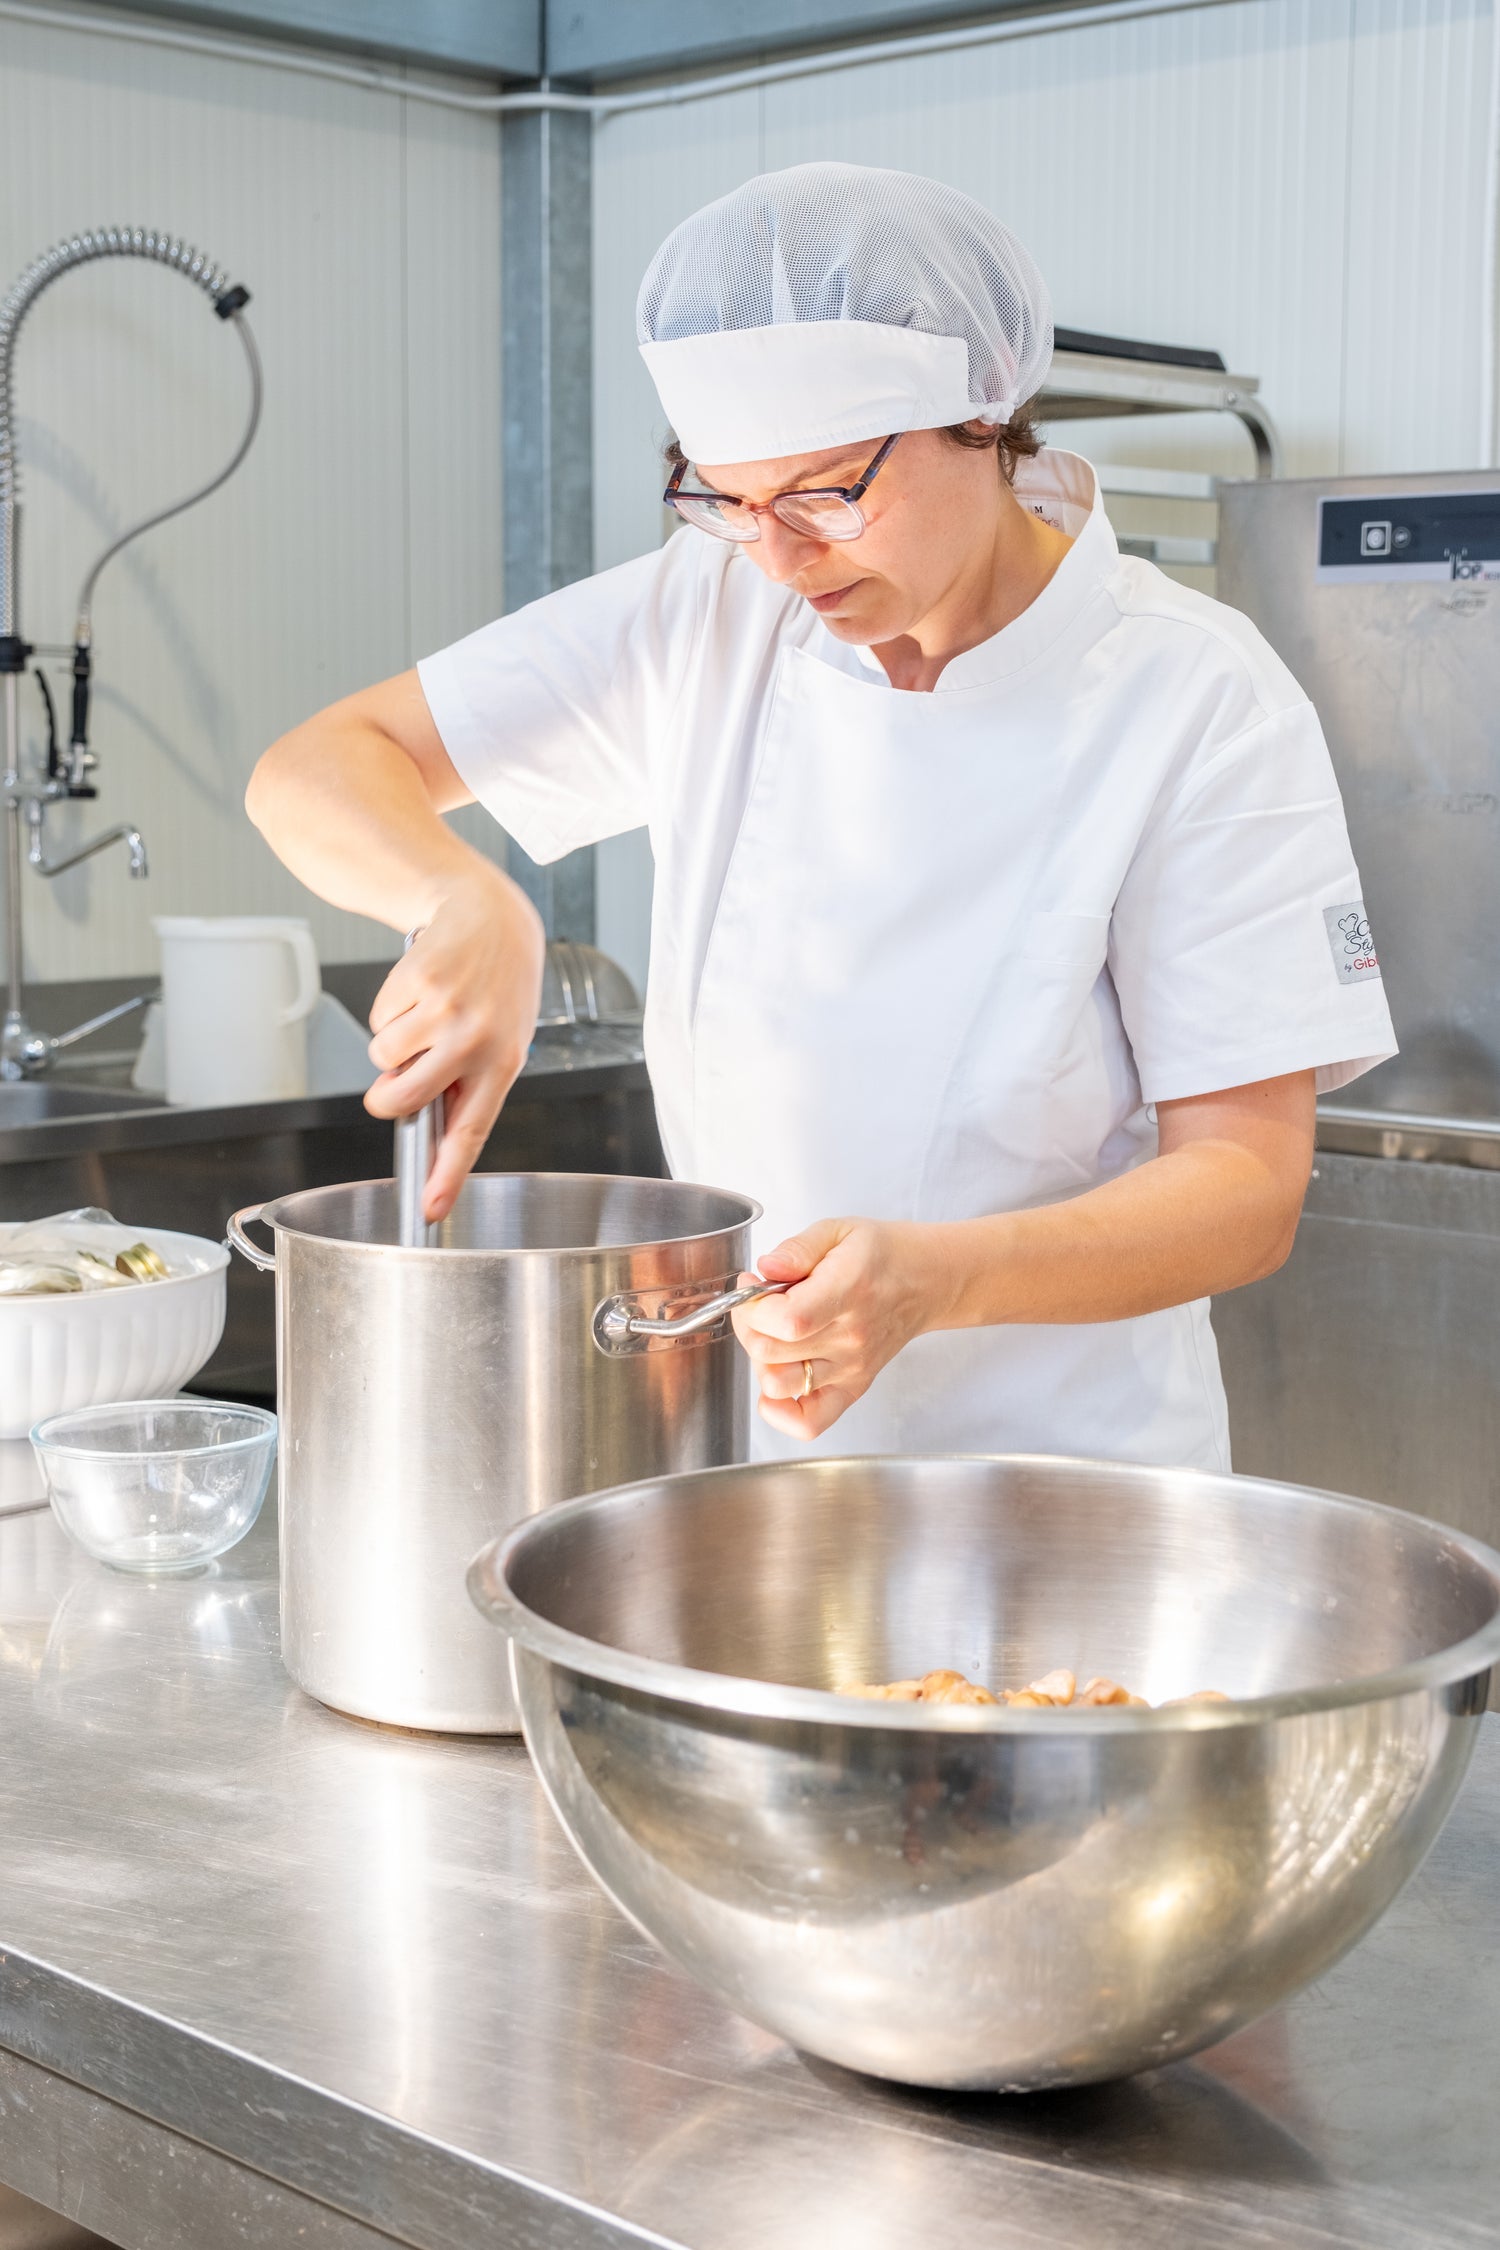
x: 352, y: 802
x: 456, y: 1017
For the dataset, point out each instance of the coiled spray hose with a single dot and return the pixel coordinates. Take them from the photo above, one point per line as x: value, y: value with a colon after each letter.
x: 229, y: 301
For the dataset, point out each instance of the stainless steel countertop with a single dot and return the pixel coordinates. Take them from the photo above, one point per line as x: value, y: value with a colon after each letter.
x: 368, y: 1967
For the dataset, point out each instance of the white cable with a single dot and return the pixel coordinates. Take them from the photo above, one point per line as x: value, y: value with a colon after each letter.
x: 892, y: 50
x: 1489, y: 280
x: 597, y: 105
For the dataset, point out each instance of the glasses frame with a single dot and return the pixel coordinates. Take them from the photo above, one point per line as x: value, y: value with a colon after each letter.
x: 850, y: 494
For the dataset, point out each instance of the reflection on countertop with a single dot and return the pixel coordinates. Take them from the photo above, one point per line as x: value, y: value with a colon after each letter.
x: 368, y: 1966
x: 21, y: 1483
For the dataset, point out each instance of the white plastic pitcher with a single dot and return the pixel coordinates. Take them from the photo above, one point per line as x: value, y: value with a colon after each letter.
x: 237, y: 991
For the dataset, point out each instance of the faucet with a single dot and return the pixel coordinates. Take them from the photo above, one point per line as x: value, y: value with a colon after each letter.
x: 33, y: 810
x: 25, y: 1053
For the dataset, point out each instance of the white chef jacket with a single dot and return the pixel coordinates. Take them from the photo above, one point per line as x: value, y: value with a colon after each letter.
x: 935, y: 956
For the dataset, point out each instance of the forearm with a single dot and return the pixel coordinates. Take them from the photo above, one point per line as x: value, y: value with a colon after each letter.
x: 345, y: 807
x: 1218, y: 1207
x: 1204, y: 1218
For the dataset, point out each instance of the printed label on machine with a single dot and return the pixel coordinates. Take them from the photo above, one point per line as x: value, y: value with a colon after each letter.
x: 1418, y: 538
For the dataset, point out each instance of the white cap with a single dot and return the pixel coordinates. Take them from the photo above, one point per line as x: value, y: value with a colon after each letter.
x: 830, y: 303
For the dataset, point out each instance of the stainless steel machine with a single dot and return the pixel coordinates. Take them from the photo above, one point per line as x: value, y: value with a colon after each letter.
x: 1371, y: 1362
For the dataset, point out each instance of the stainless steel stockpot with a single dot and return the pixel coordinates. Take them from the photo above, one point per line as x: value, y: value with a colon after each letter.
x: 566, y: 1332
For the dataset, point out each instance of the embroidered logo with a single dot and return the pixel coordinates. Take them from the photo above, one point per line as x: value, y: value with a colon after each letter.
x: 1350, y: 942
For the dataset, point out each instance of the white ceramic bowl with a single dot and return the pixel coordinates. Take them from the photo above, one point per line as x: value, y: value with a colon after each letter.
x: 109, y: 1344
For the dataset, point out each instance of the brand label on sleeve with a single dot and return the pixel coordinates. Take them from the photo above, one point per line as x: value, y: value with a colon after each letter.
x: 1350, y: 942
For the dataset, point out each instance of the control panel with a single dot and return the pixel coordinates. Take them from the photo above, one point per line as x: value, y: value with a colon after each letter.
x: 1409, y: 538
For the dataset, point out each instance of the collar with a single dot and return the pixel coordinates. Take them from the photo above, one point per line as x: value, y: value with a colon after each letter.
x: 1063, y: 490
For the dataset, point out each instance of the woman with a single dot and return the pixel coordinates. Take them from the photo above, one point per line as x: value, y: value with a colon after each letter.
x: 997, y: 875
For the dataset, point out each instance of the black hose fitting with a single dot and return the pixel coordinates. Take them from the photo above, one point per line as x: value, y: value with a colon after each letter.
x: 83, y: 667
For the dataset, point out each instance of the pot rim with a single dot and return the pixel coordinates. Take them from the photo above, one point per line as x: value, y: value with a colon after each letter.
x: 734, y: 1696
x: 268, y: 1215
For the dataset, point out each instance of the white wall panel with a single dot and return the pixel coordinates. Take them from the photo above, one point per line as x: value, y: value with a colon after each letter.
x: 1298, y: 184
x: 364, y: 527
x: 650, y: 170
x: 1420, y: 86
x: 1178, y: 178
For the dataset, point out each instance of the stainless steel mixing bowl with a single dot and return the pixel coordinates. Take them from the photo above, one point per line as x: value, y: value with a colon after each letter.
x: 974, y: 1896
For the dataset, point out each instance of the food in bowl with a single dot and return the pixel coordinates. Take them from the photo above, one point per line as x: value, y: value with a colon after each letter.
x: 980, y: 1897
x: 48, y: 1260
x: 75, y: 1251
x: 1054, y: 1691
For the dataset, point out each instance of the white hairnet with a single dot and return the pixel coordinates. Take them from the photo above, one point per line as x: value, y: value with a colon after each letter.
x: 834, y: 302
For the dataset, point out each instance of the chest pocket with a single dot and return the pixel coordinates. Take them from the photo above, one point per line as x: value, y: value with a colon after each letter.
x: 1045, y: 1078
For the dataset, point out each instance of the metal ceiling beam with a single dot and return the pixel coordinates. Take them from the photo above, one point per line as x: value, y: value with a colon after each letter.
x: 595, y: 40
x: 547, y: 408
x: 493, y: 38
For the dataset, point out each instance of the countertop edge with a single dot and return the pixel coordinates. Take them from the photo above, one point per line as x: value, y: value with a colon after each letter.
x: 360, y: 2162
x: 114, y: 1130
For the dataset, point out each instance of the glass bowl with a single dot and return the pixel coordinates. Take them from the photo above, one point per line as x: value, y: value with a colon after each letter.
x: 157, y: 1484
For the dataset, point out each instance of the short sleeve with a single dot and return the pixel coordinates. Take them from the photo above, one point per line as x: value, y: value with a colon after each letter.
x: 1239, y: 945
x: 550, y: 714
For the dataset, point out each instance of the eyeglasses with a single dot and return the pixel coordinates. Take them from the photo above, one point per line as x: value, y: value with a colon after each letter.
x: 823, y: 512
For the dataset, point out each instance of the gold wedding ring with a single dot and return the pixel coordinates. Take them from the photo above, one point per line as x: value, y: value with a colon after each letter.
x: 807, y: 1380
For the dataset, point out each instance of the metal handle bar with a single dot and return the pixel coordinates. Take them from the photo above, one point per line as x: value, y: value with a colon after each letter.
x: 97, y: 1023
x: 239, y: 1240
x: 417, y: 1139
x: 1408, y: 1120
x: 620, y: 1326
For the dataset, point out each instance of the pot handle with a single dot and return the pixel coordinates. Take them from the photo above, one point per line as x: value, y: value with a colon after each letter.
x: 240, y: 1241
x: 622, y: 1326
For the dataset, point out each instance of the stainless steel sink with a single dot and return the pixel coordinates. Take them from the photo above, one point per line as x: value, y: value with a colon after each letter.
x: 32, y: 1101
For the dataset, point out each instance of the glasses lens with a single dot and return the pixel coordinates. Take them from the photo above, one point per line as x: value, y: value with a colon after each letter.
x: 819, y: 518
x: 723, y: 519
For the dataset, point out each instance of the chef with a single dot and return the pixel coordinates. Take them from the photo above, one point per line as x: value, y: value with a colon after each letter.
x: 1002, y: 884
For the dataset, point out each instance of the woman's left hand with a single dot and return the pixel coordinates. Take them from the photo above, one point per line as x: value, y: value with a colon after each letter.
x: 862, y: 1289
